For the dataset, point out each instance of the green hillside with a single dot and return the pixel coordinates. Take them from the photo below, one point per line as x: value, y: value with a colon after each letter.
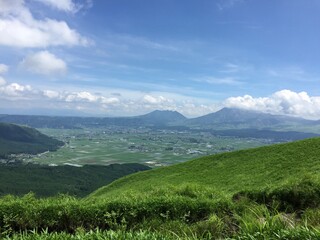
x: 228, y: 173
x: 264, y: 193
x: 15, y: 139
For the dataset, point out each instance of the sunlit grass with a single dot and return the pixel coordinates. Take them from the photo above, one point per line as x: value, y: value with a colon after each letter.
x: 265, y: 193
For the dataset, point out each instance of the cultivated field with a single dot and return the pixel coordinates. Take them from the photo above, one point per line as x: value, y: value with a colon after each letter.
x: 154, y: 148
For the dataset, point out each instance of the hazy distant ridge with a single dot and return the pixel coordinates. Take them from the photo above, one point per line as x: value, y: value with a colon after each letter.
x: 233, y: 117
x: 224, y: 118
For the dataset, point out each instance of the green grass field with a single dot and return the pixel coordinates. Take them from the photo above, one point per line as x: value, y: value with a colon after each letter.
x: 252, y: 169
x: 270, y: 192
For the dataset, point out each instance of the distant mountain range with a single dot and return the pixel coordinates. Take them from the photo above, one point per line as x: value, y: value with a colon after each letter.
x: 239, y: 118
x: 226, y: 118
x: 151, y: 119
x: 162, y: 117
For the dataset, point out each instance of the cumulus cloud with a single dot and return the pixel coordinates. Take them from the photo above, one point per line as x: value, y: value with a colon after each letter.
x: 89, y: 97
x: 151, y: 102
x: 45, y: 63
x: 194, y: 109
x: 285, y: 102
x: 18, y: 28
x: 110, y: 100
x: 81, y: 96
x: 155, y: 100
x: 16, y: 90
x: 51, y: 94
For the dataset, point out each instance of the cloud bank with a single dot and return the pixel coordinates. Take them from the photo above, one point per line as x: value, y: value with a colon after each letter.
x: 128, y: 103
x: 284, y: 102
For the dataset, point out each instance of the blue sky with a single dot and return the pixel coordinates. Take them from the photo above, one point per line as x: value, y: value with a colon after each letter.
x: 129, y: 57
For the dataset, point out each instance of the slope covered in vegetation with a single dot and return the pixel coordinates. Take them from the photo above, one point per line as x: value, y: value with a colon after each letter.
x: 264, y: 193
x: 44, y: 181
x: 15, y: 139
x: 228, y: 173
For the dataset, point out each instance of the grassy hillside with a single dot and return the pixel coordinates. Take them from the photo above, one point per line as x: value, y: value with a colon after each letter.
x: 264, y: 193
x: 228, y: 173
x: 15, y: 139
x: 48, y: 181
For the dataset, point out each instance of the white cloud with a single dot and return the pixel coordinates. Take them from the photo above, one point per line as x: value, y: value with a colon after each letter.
x: 2, y: 81
x: 18, y: 28
x: 111, y: 100
x: 192, y: 109
x: 16, y: 90
x: 45, y: 63
x: 89, y: 97
x: 51, y: 94
x: 81, y: 96
x: 282, y: 102
x: 8, y: 6
x: 63, y: 5
x: 128, y: 103
x: 155, y: 100
x: 3, y: 68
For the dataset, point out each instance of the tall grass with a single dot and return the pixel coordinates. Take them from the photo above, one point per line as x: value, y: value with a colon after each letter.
x: 188, y: 212
x: 90, y: 235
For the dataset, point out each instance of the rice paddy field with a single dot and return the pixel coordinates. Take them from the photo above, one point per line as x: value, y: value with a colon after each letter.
x: 104, y: 146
